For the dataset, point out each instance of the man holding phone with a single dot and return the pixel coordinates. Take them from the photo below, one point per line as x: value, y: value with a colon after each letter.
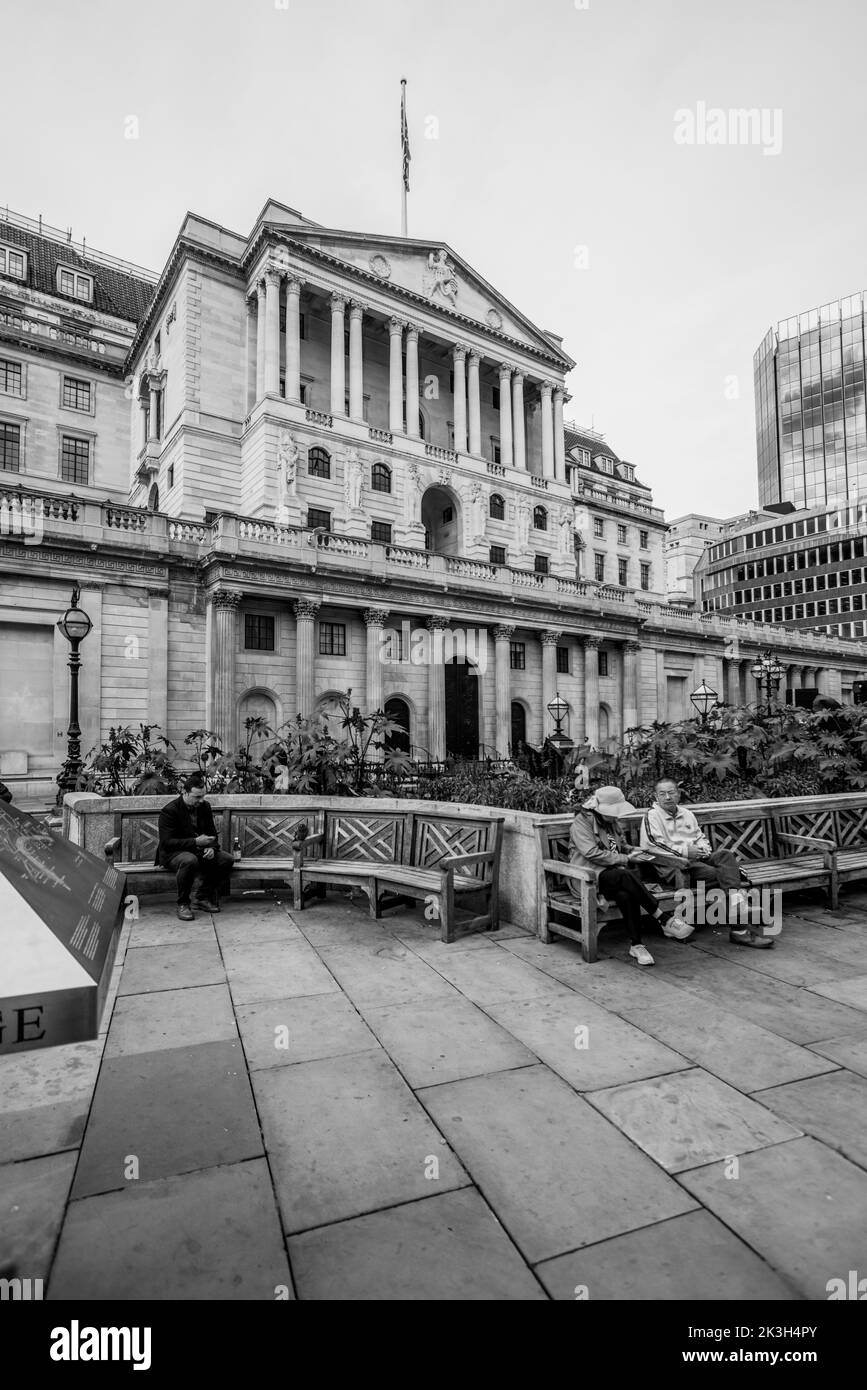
x: 189, y: 848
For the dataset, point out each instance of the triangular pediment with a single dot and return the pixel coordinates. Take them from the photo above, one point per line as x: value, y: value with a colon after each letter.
x: 429, y: 270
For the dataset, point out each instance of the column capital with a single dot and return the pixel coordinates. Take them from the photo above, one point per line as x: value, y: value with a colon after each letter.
x: 459, y: 351
x: 591, y: 642
x: 338, y: 303
x: 293, y: 284
x: 630, y: 645
x: 305, y: 608
x: 376, y: 617
x: 550, y: 638
x: 412, y: 329
x: 503, y: 633
x: 437, y: 623
x: 519, y: 377
x: 396, y: 326
x: 545, y: 389
x: 504, y: 369
x: 273, y: 276
x: 259, y: 289
x: 226, y: 598
x: 473, y: 355
x: 251, y: 300
x: 357, y: 308
x: 559, y: 393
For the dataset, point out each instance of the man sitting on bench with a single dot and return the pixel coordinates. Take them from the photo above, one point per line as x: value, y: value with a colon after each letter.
x: 189, y: 848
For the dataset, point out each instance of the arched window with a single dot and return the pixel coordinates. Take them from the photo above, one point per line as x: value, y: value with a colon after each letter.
x: 497, y: 507
x: 154, y: 499
x: 380, y: 477
x: 540, y: 519
x: 397, y: 711
x: 519, y: 726
x: 319, y: 463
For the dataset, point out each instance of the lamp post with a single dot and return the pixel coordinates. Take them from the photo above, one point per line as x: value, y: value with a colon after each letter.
x: 768, y: 673
x: 704, y: 699
x: 75, y: 625
x: 558, y: 709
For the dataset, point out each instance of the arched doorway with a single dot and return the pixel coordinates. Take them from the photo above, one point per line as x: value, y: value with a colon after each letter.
x: 519, y: 727
x: 604, y: 727
x: 154, y: 499
x: 397, y: 710
x: 462, y: 709
x: 441, y: 518
x: 256, y: 704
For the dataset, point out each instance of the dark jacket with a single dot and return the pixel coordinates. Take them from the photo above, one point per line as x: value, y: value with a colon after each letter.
x: 5, y: 793
x: 178, y: 829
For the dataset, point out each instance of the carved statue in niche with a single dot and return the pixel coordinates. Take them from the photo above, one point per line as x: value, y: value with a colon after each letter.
x: 287, y: 469
x: 353, y: 481
x: 475, y: 522
x: 522, y: 523
x: 565, y: 523
x: 412, y: 495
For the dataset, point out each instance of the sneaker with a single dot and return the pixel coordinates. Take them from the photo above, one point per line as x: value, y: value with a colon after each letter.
x: 641, y: 955
x: 675, y: 927
x: 751, y: 938
x: 185, y: 912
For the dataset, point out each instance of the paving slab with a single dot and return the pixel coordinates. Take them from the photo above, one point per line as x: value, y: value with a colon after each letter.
x: 445, y: 1040
x: 172, y: 967
x: 554, y: 1170
x: 275, y: 970
x: 851, y: 992
x: 174, y: 1110
x: 33, y: 1198
x: 425, y: 940
x: 850, y: 1052
x: 831, y: 1108
x: 213, y: 1234
x: 319, y: 1025
x: 743, y: 1054
x: 251, y: 927
x: 793, y: 962
x: 44, y: 1099
x: 448, y: 1247
x: 585, y: 1044
x: 800, y: 1206
x: 691, y: 1257
x: 170, y: 931
x: 385, y: 972
x: 492, y: 977
x: 346, y: 1136
x: 170, y: 1018
x: 690, y: 1118
x: 611, y: 983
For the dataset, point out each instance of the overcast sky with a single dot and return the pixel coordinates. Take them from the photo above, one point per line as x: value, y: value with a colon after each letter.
x: 556, y: 170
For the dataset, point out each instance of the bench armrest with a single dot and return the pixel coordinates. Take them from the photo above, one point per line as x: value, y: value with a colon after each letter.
x: 300, y: 846
x: 460, y: 861
x: 561, y: 866
x: 111, y: 847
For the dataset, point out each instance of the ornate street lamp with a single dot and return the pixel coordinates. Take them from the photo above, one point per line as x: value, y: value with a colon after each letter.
x: 75, y: 625
x: 768, y: 673
x: 558, y: 709
x: 704, y: 699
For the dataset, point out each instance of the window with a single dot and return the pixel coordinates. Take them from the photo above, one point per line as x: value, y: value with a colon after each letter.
x: 599, y: 567
x: 77, y: 286
x: 621, y: 534
x: 540, y: 519
x: 10, y: 447
x: 562, y: 661
x: 642, y: 539
x: 171, y: 476
x: 497, y: 555
x: 258, y: 633
x: 645, y: 576
x: 76, y: 394
x: 11, y: 378
x: 448, y: 514
x: 74, y: 460
x: 606, y: 464
x: 598, y: 527
x: 380, y: 477
x: 497, y: 507
x: 540, y: 564
x: 380, y: 531
x: 318, y: 518
x: 495, y: 450
x: 517, y: 656
x: 602, y: 663
x: 332, y: 639
x: 13, y: 263
x: 319, y: 463
x: 622, y: 566
x: 495, y: 397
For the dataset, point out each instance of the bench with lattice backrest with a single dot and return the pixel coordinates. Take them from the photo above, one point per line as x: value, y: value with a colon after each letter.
x: 394, y: 857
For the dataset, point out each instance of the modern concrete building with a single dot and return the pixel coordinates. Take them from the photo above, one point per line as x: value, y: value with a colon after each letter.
x: 343, y: 463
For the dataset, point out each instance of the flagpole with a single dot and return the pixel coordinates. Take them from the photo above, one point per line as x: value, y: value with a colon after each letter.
x: 404, y: 180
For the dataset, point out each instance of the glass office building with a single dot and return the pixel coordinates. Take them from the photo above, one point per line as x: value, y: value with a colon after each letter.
x: 811, y: 429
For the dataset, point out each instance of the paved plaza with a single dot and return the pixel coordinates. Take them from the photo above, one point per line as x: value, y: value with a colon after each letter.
x: 318, y: 1106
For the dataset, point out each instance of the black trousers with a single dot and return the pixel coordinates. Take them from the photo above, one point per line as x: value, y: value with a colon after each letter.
x: 625, y: 888
x: 214, y: 873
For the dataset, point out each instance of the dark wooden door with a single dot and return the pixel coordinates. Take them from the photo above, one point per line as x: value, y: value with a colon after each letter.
x: 519, y: 727
x: 462, y: 710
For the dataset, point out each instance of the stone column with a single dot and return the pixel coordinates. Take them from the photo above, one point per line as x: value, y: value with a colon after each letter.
x: 519, y: 438
x: 503, y: 690
x: 260, y: 340
x: 224, y: 639
x: 549, y: 640
x: 413, y: 426
x: 732, y: 679
x: 591, y: 689
x: 356, y: 360
x: 506, y: 453
x: 475, y: 405
x: 153, y: 410
x: 293, y: 340
x: 436, y: 690
x: 395, y: 376
x: 631, y: 697
x: 559, y: 435
x: 305, y: 615
x: 460, y: 398
x: 338, y: 355
x: 374, y: 620
x: 547, y: 430
x: 272, y: 332
x: 251, y: 353
x: 823, y: 680
x: 144, y: 421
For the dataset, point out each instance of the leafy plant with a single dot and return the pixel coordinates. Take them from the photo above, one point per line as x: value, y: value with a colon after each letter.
x: 130, y: 764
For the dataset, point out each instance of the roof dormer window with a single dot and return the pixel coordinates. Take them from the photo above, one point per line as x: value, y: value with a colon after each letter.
x: 75, y: 285
x: 606, y: 464
x: 13, y: 262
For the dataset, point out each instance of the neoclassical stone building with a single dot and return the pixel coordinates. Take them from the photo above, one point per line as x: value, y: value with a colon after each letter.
x: 344, y: 463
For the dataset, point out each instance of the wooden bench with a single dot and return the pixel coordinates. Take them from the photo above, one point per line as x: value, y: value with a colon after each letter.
x: 401, y: 856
